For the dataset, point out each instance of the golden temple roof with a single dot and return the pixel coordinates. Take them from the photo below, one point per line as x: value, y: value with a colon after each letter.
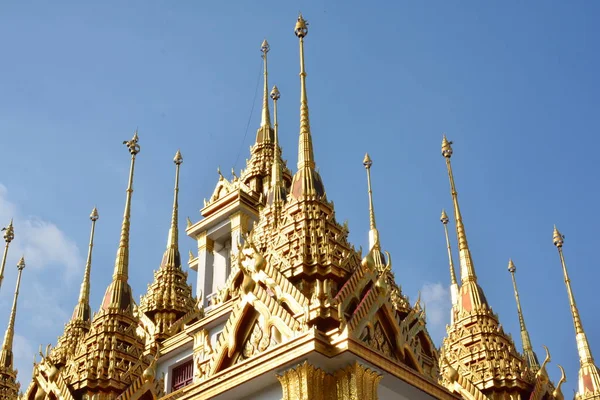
x: 293, y: 281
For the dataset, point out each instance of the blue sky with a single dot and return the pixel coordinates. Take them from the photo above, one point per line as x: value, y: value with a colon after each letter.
x: 513, y: 84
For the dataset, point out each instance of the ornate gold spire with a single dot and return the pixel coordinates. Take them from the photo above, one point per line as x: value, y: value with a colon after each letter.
x: 169, y: 297
x: 373, y: 233
x: 264, y: 134
x: 118, y: 293
x: 8, y: 383
x: 278, y: 192
x: 589, y: 376
x: 265, y: 119
x: 467, y: 271
x: 9, y: 235
x: 82, y: 309
x: 530, y: 356
x: 475, y: 335
x: 173, y: 240
x: 305, y: 151
x: 80, y: 321
x: 307, y: 181
x: 453, y: 284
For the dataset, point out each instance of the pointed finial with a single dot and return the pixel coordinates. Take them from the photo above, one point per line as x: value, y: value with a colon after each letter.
x: 132, y: 145
x: 82, y: 311
x: 530, y: 356
x: 21, y: 263
x: 557, y: 238
x: 275, y: 95
x: 6, y: 354
x: 264, y: 47
x: 444, y: 218
x: 367, y: 161
x: 446, y: 147
x: 9, y: 232
x: 511, y: 266
x: 178, y: 159
x: 188, y: 222
x: 9, y: 235
x: 301, y: 28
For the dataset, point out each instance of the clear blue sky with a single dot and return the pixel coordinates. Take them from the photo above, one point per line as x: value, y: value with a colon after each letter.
x: 514, y: 84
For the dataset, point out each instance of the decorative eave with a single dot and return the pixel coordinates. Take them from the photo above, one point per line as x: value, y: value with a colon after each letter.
x: 215, y: 316
x: 218, y: 211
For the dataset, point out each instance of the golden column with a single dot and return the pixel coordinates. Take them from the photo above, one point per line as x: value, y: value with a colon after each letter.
x: 9, y: 235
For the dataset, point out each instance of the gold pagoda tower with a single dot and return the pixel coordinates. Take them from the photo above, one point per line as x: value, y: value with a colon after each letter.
x: 285, y: 306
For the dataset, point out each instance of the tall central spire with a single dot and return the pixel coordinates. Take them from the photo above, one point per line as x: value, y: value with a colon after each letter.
x: 530, y: 356
x: 82, y: 309
x: 118, y: 293
x: 6, y: 355
x: 467, y: 271
x: 307, y: 181
x: 9, y: 235
x: 589, y: 375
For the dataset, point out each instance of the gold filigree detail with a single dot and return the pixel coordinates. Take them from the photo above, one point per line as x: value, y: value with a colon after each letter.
x: 306, y: 382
